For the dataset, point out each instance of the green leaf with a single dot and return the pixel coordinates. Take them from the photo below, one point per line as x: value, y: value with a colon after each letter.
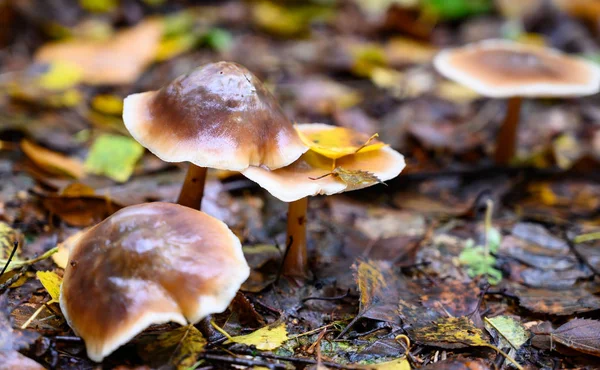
x: 114, y: 156
x: 218, y: 39
x: 456, y: 9
x: 51, y: 282
x: 511, y: 330
x: 474, y: 258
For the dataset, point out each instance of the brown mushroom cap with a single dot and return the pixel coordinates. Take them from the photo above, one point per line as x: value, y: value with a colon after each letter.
x: 218, y: 116
x: 294, y: 181
x: 501, y: 69
x: 148, y: 264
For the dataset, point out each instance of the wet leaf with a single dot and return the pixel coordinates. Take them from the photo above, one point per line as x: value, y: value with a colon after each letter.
x: 511, y: 332
x: 52, y: 162
x: 582, y: 335
x: 80, y: 210
x: 179, y: 347
x: 51, y: 282
x: 558, y: 302
x: 378, y: 287
x: 114, y: 156
x: 338, y: 142
x: 451, y: 332
x: 264, y: 339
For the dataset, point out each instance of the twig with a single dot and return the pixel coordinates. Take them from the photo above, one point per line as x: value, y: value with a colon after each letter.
x: 13, y: 279
x: 327, y: 298
x: 12, y: 254
x: 301, y: 360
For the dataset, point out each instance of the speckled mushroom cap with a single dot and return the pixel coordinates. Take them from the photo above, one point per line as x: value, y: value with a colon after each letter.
x: 294, y: 181
x: 219, y: 116
x: 502, y: 69
x: 148, y: 264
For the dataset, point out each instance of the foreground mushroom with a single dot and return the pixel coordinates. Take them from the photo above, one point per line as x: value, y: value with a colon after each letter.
x: 148, y: 264
x: 219, y: 116
x: 312, y: 174
x: 505, y: 69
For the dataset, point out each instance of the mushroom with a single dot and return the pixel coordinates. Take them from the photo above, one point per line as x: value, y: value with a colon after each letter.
x: 219, y: 116
x: 312, y: 174
x: 148, y: 264
x: 506, y: 69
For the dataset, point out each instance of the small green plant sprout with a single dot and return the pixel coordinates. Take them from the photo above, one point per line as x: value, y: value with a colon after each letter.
x: 479, y: 259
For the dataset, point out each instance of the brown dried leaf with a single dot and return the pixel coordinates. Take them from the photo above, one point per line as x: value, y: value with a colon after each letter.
x: 355, y: 179
x: 52, y: 162
x: 558, y: 302
x: 80, y: 211
x: 582, y: 335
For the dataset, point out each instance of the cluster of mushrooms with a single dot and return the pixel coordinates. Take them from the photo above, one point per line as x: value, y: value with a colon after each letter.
x: 159, y: 262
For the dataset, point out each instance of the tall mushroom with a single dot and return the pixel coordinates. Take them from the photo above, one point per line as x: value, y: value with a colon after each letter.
x: 312, y: 174
x: 219, y: 116
x: 148, y: 264
x: 506, y: 69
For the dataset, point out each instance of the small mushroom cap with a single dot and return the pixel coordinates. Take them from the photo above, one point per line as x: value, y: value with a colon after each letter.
x: 148, y: 264
x: 294, y: 181
x: 218, y: 116
x: 502, y: 69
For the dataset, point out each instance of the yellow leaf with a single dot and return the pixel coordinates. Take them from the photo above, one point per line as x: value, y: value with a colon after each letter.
x: 52, y: 162
x: 397, y: 364
x: 8, y: 237
x: 60, y: 76
x: 51, y: 282
x: 264, y: 339
x: 456, y: 93
x: 108, y: 104
x: 338, y: 142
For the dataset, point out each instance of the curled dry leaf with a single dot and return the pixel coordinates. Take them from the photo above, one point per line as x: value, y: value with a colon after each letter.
x: 561, y: 302
x: 582, y: 335
x: 52, y: 162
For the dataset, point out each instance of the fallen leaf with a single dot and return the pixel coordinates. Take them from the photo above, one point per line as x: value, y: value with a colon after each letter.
x: 451, y: 332
x: 398, y: 364
x: 458, y: 364
x: 8, y: 238
x: 52, y: 162
x: 80, y: 210
x: 287, y: 20
x: 108, y: 104
x: 354, y: 179
x: 402, y: 50
x: 338, y: 142
x: 582, y: 335
x: 456, y: 9
x: 179, y: 348
x: 324, y: 96
x: 378, y: 287
x: 114, y: 156
x: 557, y: 302
x: 507, y: 332
x: 264, y: 339
x: 51, y: 282
x: 109, y: 61
x: 60, y: 76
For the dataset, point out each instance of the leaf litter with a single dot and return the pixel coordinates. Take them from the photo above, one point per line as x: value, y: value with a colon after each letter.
x: 423, y: 249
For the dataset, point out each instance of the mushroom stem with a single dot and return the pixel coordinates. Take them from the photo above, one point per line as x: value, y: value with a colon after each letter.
x: 296, y: 260
x: 192, y: 190
x: 507, y: 137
